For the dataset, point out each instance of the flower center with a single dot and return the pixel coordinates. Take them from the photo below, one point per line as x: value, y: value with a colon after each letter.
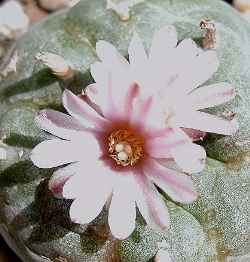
x: 125, y: 147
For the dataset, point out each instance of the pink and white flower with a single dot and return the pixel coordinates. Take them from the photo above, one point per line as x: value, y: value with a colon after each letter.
x: 175, y: 72
x: 113, y: 152
x: 117, y: 140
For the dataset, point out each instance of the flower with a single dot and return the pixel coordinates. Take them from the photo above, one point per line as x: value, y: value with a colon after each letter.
x: 113, y: 151
x: 175, y: 72
x: 118, y: 143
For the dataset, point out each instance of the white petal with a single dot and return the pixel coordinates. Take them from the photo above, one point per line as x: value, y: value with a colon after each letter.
x: 110, y: 56
x: 100, y: 74
x: 59, y: 124
x: 122, y: 214
x: 205, y: 122
x: 164, y: 40
x: 99, y: 93
x: 137, y: 53
x: 212, y: 95
x: 190, y: 157
x: 151, y: 205
x: 91, y: 189
x: 53, y: 153
x: 188, y: 50
x: 61, y: 176
x: 80, y: 110
x: 196, y: 72
x: 56, y: 152
x: 85, y: 210
x: 93, y: 175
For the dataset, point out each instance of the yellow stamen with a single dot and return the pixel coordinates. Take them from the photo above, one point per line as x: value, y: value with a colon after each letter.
x: 125, y: 147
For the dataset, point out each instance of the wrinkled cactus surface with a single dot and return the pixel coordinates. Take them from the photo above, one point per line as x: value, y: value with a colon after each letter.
x: 37, y: 226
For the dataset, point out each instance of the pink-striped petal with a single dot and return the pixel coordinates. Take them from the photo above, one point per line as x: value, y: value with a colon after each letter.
x: 128, y: 107
x: 61, y: 176
x: 162, y: 146
x: 178, y: 186
x: 151, y: 204
x: 81, y: 111
x: 195, y: 135
x: 155, y: 117
x: 205, y: 122
x: 212, y: 95
x: 86, y: 96
x: 59, y: 124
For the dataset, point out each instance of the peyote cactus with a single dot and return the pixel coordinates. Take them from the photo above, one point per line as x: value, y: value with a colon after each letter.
x: 37, y: 225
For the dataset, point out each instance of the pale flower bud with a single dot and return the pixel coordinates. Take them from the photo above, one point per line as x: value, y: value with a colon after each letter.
x: 242, y: 5
x: 122, y: 8
x: 13, y: 21
x: 56, y: 63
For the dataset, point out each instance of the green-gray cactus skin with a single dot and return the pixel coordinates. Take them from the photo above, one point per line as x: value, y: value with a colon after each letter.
x: 212, y: 229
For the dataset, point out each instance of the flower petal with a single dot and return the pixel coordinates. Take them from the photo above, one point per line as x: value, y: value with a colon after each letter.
x: 187, y: 50
x: 60, y: 177
x: 110, y: 90
x: 203, y: 67
x: 100, y: 74
x: 190, y: 157
x: 128, y: 107
x: 56, y: 152
x: 103, y: 93
x: 85, y: 210
x: 91, y: 189
x: 155, y: 116
x: 139, y: 65
x: 164, y: 40
x: 195, y: 135
x: 122, y: 214
x: 82, y: 111
x: 110, y: 56
x: 59, y: 124
x: 205, y: 122
x: 137, y: 53
x: 150, y: 204
x: 212, y: 95
x: 178, y: 186
x: 53, y: 153
x: 82, y: 184
x: 161, y: 146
